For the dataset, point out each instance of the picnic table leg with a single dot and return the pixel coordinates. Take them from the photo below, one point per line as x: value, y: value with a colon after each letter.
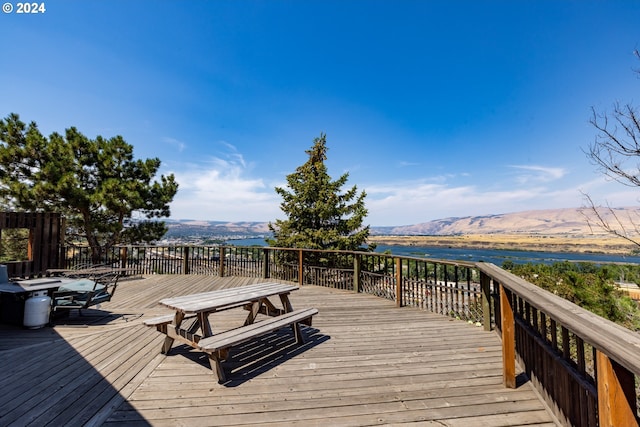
x: 270, y: 309
x: 194, y: 327
x: 205, y: 326
x: 216, y: 366
x: 168, y: 341
x: 297, y: 333
x: 286, y: 304
x: 253, y: 312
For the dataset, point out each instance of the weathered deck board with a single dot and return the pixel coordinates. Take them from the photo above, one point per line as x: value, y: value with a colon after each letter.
x: 365, y: 362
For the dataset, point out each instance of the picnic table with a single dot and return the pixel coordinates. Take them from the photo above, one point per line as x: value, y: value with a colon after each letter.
x: 253, y: 298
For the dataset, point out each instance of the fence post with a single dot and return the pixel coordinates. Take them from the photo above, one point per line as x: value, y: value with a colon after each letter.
x: 265, y: 263
x: 300, y: 267
x: 221, y: 271
x: 485, y: 284
x: 62, y: 257
x: 398, y: 282
x: 616, y: 393
x: 185, y: 260
x: 123, y: 257
x: 357, y: 267
x: 508, y: 339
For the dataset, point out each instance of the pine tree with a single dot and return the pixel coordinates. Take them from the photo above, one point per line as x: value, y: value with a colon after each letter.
x: 319, y: 214
x: 95, y: 183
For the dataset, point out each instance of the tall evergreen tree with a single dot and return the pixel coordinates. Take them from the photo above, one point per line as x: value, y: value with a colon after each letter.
x: 319, y: 214
x: 95, y: 183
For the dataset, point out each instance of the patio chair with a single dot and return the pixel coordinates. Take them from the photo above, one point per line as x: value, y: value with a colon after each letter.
x: 79, y: 270
x: 85, y: 292
x: 88, y: 270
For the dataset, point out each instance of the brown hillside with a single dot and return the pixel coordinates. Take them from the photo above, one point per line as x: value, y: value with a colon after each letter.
x: 550, y: 222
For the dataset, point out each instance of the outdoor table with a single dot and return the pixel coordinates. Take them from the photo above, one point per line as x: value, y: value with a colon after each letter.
x: 253, y: 298
x: 203, y: 304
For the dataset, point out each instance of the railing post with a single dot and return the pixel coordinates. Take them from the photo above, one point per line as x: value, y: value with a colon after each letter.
x: 485, y: 285
x: 357, y: 268
x: 300, y: 267
x: 398, y: 282
x: 123, y: 256
x: 185, y: 260
x: 508, y: 339
x: 616, y: 393
x: 62, y: 257
x: 265, y: 264
x: 221, y: 271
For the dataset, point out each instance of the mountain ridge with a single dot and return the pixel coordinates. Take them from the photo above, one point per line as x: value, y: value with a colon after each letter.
x: 567, y: 221
x: 564, y: 221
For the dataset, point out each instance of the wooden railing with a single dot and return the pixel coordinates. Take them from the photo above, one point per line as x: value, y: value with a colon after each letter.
x: 584, y: 366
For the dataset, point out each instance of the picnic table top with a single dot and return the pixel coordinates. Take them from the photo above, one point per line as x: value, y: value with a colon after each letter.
x: 213, y: 300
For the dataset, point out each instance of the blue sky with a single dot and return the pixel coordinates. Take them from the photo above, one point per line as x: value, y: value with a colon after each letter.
x: 434, y: 108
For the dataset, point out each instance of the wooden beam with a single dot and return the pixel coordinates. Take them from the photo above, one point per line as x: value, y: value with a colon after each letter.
x: 185, y: 260
x: 616, y: 393
x: 508, y: 339
x: 398, y: 282
x: 357, y: 269
x: 485, y: 285
x: 265, y: 264
x: 300, y: 267
x: 221, y: 271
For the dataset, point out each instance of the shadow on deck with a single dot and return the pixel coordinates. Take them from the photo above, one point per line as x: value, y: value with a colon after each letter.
x: 365, y: 362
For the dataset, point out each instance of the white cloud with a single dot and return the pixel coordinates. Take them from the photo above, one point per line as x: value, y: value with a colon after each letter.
x: 222, y: 189
x: 410, y: 203
x: 225, y: 189
x: 534, y: 173
x: 233, y: 154
x: 606, y: 192
x: 419, y: 201
x: 404, y: 164
x: 176, y: 143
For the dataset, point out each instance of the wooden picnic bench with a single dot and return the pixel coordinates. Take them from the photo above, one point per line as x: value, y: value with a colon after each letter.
x: 217, y: 346
x: 253, y: 298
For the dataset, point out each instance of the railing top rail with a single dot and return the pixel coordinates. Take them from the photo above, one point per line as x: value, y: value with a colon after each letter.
x: 459, y: 263
x: 381, y: 254
x: 617, y: 342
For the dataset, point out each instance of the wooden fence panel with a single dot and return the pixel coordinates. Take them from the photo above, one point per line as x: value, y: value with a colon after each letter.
x: 44, y: 241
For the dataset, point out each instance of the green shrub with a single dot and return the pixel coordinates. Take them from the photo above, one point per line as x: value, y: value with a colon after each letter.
x: 588, y: 285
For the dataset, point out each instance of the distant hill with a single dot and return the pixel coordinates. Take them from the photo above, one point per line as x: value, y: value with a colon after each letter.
x: 192, y: 228
x: 570, y: 221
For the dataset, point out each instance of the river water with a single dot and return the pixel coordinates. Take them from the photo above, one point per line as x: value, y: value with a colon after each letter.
x: 494, y: 256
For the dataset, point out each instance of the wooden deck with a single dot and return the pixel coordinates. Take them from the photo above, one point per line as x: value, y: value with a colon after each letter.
x: 365, y: 362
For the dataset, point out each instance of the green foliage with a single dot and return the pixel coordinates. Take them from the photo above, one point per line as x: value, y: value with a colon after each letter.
x: 14, y: 244
x: 588, y: 285
x: 95, y: 183
x: 320, y: 215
